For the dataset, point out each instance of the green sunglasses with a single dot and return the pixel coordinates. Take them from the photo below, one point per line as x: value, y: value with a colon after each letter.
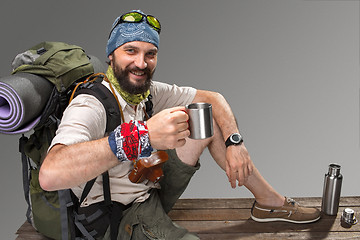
x: 136, y: 17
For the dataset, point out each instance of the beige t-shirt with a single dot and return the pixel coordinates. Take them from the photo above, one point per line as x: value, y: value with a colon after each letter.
x: 85, y: 120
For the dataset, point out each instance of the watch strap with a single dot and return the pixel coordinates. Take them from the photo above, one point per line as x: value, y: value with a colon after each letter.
x: 229, y: 141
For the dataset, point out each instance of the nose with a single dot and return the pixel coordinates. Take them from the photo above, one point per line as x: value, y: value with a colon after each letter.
x: 140, y: 62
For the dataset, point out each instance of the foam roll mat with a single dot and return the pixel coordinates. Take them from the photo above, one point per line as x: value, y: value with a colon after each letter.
x: 23, y: 97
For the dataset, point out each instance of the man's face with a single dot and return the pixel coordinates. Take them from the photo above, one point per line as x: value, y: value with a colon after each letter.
x: 134, y: 64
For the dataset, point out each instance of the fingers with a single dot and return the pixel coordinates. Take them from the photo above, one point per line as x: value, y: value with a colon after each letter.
x: 242, y: 177
x: 179, y: 113
x: 182, y: 131
x: 238, y: 176
x: 238, y: 166
x: 180, y: 122
x: 181, y: 142
x: 231, y: 175
x: 169, y: 128
x: 250, y: 168
x: 183, y: 126
x: 177, y: 109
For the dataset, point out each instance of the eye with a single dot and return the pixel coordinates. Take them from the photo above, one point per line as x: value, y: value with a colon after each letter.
x: 151, y: 54
x: 130, y: 50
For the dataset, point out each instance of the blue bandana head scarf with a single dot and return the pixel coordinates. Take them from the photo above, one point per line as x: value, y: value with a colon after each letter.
x: 129, y: 32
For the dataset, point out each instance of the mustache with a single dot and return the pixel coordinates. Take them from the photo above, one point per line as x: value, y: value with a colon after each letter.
x: 122, y: 77
x: 146, y: 70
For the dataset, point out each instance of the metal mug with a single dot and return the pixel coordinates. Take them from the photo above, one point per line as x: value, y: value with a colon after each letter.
x: 348, y: 218
x: 200, y: 120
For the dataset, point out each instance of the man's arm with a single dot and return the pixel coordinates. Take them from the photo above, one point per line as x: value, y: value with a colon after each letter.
x: 238, y: 163
x: 69, y: 166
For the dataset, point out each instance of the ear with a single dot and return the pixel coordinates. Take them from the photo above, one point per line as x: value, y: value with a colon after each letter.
x: 111, y: 58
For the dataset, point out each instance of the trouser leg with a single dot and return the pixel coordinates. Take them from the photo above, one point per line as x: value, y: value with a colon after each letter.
x: 177, y: 176
x: 148, y: 220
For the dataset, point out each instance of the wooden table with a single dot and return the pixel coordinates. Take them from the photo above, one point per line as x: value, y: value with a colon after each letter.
x: 223, y: 219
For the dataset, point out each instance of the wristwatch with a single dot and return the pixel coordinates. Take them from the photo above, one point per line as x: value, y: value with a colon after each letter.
x: 234, y: 139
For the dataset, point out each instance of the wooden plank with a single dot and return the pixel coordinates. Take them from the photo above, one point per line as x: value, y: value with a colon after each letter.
x: 219, y: 214
x: 209, y: 214
x: 32, y: 236
x: 27, y: 231
x: 248, y: 202
x: 25, y: 227
x: 214, y: 203
x: 249, y: 226
x: 282, y: 236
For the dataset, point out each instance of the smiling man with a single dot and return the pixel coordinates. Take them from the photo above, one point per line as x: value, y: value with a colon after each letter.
x: 139, y: 60
x: 82, y: 150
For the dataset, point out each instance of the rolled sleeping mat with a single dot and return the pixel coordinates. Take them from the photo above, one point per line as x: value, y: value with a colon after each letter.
x: 23, y: 96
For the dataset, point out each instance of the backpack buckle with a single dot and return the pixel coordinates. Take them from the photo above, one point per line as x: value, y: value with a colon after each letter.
x: 52, y: 119
x: 41, y: 51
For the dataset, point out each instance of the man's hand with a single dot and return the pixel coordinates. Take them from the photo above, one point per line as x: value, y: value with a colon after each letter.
x: 238, y: 164
x: 169, y: 128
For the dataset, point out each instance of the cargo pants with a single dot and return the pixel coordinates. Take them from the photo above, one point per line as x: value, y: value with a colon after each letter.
x: 149, y: 219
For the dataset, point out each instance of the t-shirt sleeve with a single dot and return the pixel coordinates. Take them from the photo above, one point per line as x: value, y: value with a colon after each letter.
x: 83, y: 120
x: 167, y: 96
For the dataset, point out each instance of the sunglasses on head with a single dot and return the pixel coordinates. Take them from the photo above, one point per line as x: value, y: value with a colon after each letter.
x: 136, y: 17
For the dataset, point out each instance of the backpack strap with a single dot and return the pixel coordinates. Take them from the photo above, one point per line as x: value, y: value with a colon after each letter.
x: 65, y: 203
x: 103, y: 94
x: 149, y: 106
x: 113, y: 119
x: 26, y: 175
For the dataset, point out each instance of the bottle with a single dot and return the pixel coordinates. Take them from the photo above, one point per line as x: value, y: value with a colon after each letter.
x: 331, y: 191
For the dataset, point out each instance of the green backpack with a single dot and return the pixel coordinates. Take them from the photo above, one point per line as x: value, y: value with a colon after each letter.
x: 60, y: 63
x: 64, y: 65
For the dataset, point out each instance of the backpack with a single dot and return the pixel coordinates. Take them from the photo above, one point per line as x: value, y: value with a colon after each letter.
x: 54, y: 213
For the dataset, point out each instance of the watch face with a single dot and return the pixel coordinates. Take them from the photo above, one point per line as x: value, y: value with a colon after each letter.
x: 235, y: 138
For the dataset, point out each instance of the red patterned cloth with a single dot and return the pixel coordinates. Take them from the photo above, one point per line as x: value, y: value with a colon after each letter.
x: 130, y: 140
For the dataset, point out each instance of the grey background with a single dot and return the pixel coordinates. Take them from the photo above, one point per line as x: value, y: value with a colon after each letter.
x: 289, y: 69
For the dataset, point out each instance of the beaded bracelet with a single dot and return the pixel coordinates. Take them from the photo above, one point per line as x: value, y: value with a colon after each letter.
x: 129, y: 141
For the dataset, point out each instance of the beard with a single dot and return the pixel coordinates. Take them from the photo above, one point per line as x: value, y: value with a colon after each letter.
x: 122, y: 77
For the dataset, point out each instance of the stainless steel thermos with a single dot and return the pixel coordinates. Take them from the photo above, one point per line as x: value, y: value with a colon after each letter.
x: 331, y: 191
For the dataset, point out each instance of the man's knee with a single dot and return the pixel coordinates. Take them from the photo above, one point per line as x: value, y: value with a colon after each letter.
x: 192, y: 150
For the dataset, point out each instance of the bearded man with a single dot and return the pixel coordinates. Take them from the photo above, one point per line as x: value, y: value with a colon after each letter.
x: 81, y: 150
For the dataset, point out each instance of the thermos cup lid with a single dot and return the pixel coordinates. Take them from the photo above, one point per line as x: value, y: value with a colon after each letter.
x: 348, y: 216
